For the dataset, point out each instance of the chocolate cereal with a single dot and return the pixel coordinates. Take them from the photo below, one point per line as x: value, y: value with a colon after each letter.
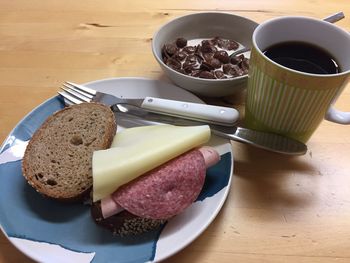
x: 210, y: 59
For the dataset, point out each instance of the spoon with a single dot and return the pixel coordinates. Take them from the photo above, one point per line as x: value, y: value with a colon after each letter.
x: 334, y: 18
x: 331, y: 19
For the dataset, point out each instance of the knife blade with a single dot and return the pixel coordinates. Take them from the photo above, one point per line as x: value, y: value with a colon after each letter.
x: 267, y: 141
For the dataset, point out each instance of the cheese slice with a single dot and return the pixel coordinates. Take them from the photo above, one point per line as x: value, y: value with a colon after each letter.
x: 136, y: 151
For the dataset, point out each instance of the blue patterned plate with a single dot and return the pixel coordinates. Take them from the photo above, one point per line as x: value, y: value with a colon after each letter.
x: 49, y: 231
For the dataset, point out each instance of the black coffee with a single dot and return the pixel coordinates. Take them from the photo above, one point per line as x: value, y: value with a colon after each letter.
x: 302, y: 57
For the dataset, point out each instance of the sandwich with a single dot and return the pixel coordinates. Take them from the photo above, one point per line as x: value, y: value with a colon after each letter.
x: 150, y: 200
x: 136, y: 179
x: 133, y: 194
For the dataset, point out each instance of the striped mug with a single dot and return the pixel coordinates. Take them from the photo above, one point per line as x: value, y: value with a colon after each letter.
x: 290, y: 102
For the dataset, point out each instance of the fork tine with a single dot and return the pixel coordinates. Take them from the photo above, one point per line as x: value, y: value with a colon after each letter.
x: 78, y: 91
x: 70, y: 98
x: 81, y: 87
x: 77, y: 95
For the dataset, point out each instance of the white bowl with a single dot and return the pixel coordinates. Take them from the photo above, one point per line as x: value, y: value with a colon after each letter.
x: 205, y: 25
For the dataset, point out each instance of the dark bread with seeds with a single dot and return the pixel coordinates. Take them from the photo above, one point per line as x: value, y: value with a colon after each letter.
x: 124, y: 223
x: 58, y: 159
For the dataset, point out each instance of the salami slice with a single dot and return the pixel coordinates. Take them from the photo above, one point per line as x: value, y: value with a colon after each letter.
x: 165, y: 191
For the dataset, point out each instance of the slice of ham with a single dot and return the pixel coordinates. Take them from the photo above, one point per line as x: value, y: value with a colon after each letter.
x: 109, y: 207
x: 165, y: 191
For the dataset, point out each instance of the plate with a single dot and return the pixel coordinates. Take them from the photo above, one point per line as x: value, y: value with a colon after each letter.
x: 49, y: 231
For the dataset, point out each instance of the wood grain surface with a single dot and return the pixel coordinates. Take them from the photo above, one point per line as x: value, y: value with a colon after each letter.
x: 280, y: 209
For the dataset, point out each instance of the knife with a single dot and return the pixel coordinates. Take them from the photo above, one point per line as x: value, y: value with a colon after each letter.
x: 264, y: 140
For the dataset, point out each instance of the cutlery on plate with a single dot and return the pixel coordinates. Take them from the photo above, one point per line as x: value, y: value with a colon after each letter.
x: 76, y: 94
x: 264, y: 140
x: 137, y: 115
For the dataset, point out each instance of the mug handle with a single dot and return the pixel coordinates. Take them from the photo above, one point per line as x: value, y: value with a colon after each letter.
x: 337, y: 116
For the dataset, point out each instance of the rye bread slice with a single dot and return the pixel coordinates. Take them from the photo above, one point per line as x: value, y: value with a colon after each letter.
x: 58, y: 159
x: 124, y: 223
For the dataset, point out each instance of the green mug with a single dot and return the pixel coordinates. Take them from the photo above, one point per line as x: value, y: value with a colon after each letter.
x: 287, y: 101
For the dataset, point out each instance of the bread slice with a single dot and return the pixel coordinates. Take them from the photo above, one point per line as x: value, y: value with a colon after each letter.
x: 125, y: 223
x: 58, y: 159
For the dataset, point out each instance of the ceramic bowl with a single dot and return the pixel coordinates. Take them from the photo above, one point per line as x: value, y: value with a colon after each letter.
x: 205, y: 26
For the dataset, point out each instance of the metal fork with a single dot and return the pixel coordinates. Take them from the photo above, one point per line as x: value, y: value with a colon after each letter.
x: 76, y: 94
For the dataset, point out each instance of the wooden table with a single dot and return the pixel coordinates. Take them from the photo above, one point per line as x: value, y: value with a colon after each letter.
x: 279, y: 209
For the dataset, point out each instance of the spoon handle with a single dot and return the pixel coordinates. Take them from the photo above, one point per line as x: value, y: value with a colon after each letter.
x: 334, y: 18
x: 240, y: 51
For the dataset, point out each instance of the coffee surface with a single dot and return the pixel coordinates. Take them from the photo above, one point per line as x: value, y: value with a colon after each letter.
x: 303, y: 57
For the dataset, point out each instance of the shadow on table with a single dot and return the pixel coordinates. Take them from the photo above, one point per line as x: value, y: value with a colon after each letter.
x: 269, y: 180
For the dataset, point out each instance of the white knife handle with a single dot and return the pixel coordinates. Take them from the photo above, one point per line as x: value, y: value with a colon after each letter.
x: 189, y: 110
